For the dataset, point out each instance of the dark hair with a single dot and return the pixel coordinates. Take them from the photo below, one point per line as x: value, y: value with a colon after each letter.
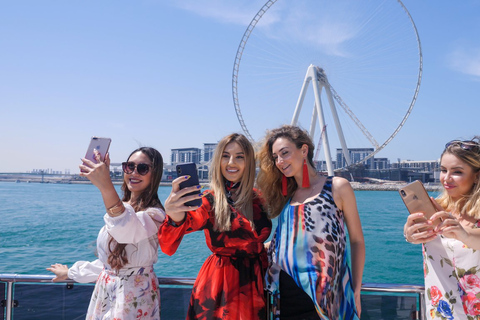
x: 147, y: 199
x: 149, y: 196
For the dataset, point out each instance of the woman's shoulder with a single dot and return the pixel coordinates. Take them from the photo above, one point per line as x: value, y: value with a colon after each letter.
x: 155, y: 213
x: 340, y: 183
x: 155, y: 210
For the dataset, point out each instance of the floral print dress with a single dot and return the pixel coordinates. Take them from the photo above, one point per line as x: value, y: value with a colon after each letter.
x: 230, y: 284
x: 452, y: 279
x: 133, y: 292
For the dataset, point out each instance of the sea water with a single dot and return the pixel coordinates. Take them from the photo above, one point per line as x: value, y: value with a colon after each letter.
x: 45, y: 223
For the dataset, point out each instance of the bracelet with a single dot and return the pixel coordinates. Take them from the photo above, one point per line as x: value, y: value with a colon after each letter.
x: 112, y: 212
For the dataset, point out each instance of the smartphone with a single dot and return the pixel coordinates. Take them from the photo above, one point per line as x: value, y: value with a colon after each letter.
x: 190, y: 169
x: 416, y: 199
x: 101, y: 145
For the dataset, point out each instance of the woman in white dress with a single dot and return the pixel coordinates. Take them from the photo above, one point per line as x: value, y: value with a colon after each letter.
x: 126, y: 284
x: 451, y: 250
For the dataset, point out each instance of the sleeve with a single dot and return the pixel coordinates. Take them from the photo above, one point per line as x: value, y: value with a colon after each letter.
x: 85, y: 271
x: 133, y: 227
x: 170, y: 235
x: 263, y: 224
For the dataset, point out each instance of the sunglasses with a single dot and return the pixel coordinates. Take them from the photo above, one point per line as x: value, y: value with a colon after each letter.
x: 465, y: 145
x: 142, y: 168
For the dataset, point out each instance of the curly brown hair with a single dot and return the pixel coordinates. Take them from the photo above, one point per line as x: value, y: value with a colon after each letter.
x: 269, y: 179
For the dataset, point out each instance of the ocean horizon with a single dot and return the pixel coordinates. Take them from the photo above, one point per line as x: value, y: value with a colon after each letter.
x: 46, y: 223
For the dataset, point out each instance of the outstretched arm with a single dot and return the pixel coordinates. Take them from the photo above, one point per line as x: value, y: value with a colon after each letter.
x: 99, y: 175
x: 60, y: 271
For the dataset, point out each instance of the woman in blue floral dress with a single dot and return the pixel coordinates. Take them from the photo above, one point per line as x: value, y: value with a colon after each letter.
x: 451, y: 250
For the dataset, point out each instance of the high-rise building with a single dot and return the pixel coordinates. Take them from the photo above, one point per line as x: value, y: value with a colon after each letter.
x: 426, y: 165
x: 208, y: 149
x: 381, y: 163
x: 356, y: 156
x: 183, y: 155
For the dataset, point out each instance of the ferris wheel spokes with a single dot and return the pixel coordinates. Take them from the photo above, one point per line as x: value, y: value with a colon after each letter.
x: 319, y: 81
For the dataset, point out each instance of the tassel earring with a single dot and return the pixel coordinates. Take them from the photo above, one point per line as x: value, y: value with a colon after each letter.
x: 284, y: 185
x: 305, y: 178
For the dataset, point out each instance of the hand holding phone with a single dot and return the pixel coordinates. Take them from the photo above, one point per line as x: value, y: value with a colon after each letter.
x: 99, y: 144
x: 190, y: 169
x: 416, y: 199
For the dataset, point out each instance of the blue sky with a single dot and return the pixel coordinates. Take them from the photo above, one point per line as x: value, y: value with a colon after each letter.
x: 159, y: 73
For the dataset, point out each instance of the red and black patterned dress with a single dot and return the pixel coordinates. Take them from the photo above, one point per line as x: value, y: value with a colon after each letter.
x: 230, y: 284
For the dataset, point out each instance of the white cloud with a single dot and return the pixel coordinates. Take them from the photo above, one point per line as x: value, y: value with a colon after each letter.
x: 466, y: 60
x: 224, y: 11
x: 333, y: 27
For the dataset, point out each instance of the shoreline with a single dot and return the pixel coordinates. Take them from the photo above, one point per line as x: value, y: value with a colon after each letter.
x: 357, y: 186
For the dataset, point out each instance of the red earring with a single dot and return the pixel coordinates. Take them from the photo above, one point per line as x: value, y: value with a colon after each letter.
x: 305, y: 178
x: 284, y: 185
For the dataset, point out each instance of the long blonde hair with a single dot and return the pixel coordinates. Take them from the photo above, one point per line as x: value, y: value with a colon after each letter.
x: 269, y: 178
x: 244, y: 202
x: 469, y: 204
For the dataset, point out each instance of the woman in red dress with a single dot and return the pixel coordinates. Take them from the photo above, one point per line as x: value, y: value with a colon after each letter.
x: 230, y: 284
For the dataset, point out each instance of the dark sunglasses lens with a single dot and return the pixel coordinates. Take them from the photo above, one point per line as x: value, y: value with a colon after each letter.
x: 469, y: 145
x: 452, y: 143
x: 128, y: 167
x: 142, y: 168
x: 465, y: 145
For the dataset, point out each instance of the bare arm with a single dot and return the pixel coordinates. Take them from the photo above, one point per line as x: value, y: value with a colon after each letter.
x: 345, y: 200
x: 99, y: 175
x: 60, y: 270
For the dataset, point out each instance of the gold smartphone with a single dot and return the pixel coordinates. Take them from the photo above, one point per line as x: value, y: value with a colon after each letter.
x: 416, y: 199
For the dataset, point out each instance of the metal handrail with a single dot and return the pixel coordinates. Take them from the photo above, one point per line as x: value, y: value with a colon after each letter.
x: 10, y: 279
x: 14, y: 277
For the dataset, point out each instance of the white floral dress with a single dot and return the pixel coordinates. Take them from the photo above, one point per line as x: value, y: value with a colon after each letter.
x: 452, y: 279
x: 133, y: 292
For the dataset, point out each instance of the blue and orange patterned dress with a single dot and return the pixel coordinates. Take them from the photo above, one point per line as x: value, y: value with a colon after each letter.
x: 309, y: 244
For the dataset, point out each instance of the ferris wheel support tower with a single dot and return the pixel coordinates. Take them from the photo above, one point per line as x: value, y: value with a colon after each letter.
x: 319, y: 81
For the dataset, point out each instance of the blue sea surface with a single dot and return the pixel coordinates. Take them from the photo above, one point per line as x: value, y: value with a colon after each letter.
x: 42, y: 224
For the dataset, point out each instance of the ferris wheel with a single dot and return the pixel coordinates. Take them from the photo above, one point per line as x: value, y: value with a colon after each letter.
x: 362, y: 58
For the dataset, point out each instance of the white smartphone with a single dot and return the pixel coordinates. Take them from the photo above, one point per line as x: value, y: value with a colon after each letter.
x: 101, y: 145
